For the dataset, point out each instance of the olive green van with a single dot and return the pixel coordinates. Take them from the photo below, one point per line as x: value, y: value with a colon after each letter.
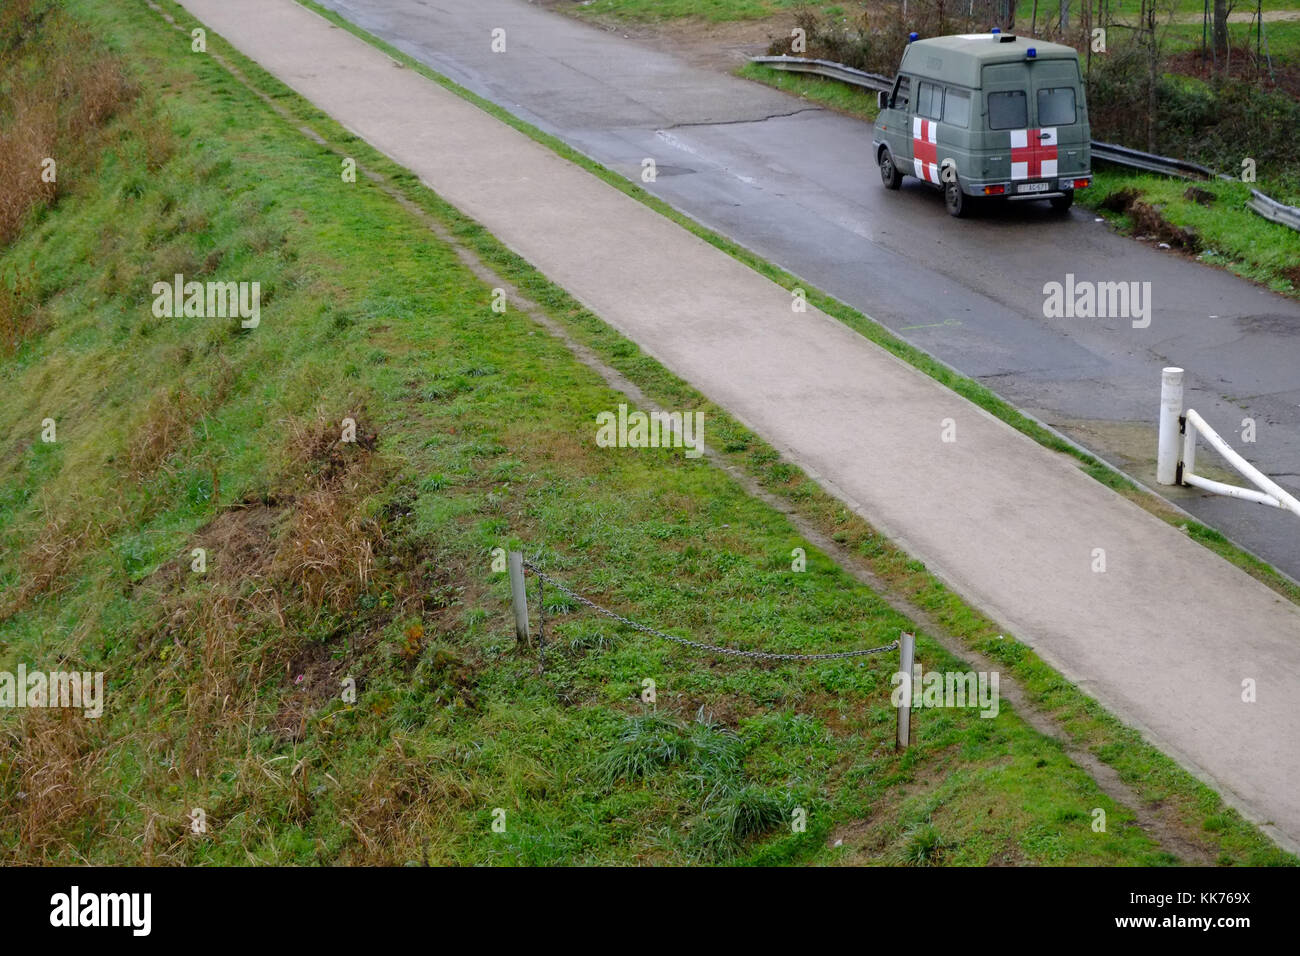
x: 986, y: 115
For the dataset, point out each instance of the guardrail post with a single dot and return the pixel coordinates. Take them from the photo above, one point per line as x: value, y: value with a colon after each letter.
x: 1171, y: 409
x: 906, y: 654
x: 518, y: 596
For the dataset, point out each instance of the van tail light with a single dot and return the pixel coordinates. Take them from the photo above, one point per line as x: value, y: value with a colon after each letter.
x: 1082, y: 183
x: 995, y: 190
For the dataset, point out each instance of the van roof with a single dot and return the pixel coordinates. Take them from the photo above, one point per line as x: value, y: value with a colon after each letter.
x: 959, y: 58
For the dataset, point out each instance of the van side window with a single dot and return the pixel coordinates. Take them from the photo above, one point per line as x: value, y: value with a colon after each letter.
x: 1056, y: 106
x: 929, y: 100
x: 956, y: 107
x: 902, y: 89
x: 1007, y: 110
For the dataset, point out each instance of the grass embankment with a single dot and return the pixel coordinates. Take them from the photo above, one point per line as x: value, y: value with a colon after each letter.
x: 371, y: 560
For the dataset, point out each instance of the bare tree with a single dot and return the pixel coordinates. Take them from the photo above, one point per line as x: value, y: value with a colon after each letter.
x: 1148, y: 38
x: 1220, y: 32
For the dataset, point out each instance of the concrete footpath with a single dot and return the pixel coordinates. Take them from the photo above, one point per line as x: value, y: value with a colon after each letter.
x: 1164, y: 637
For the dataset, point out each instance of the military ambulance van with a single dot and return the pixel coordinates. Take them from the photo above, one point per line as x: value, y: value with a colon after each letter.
x: 986, y: 115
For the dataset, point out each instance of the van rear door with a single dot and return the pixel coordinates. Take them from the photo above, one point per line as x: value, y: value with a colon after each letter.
x: 1036, y: 108
x: 1060, y: 112
x: 1005, y: 135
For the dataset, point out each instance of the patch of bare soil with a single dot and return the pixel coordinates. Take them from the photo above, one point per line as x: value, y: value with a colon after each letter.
x: 1150, y: 224
x: 700, y: 43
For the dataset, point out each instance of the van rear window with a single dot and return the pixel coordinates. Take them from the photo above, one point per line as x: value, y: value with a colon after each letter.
x: 1056, y: 106
x: 1007, y: 110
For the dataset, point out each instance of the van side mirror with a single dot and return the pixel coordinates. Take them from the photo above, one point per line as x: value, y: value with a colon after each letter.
x: 882, y: 99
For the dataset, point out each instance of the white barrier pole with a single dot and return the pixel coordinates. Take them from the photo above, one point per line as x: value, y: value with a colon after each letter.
x: 1274, y: 494
x: 1171, y: 407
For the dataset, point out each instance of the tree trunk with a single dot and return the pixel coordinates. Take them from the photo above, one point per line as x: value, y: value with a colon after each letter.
x: 1153, y: 77
x: 1220, y: 32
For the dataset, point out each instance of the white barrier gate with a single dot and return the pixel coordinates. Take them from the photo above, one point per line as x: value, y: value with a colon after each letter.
x: 1176, y: 453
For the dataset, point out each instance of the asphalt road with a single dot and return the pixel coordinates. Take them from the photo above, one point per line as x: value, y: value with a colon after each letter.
x: 797, y: 185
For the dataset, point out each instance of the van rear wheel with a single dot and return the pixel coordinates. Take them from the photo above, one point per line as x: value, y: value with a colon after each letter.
x: 1062, y: 203
x: 889, y: 174
x: 957, y: 201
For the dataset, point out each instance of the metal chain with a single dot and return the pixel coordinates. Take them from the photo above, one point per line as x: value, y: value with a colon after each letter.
x: 698, y: 645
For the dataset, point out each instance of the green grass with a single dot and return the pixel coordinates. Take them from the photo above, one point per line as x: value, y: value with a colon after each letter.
x: 817, y: 89
x: 1282, y: 38
x: 223, y: 689
x: 1234, y: 237
x: 715, y: 11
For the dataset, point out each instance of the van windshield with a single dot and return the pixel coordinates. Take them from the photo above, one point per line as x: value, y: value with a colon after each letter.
x: 1007, y: 110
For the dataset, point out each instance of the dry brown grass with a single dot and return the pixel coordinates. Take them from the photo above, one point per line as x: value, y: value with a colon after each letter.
x: 397, y: 812
x: 218, y: 694
x: 65, y: 537
x: 53, y: 762
x: 20, y: 317
x: 328, y: 550
x: 64, y: 88
x: 166, y: 423
x: 220, y: 644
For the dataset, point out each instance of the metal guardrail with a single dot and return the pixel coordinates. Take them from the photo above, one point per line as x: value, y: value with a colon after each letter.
x: 1259, y: 203
x: 828, y: 68
x: 1272, y: 209
x: 1124, y: 156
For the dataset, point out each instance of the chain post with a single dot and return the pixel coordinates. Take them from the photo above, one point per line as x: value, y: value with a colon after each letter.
x: 518, y: 596
x: 906, y: 655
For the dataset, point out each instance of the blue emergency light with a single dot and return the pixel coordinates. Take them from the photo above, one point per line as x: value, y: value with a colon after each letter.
x: 1031, y: 53
x: 912, y: 37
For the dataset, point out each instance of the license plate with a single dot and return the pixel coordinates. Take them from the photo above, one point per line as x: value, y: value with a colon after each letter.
x: 1033, y: 187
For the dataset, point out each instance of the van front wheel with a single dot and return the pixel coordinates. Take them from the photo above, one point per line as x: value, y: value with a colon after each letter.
x: 957, y: 202
x: 889, y: 174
